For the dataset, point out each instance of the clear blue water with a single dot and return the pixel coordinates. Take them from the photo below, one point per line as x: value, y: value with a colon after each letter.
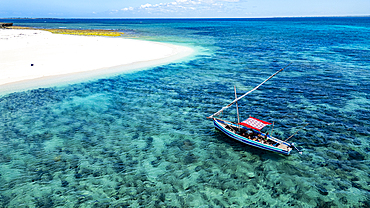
x: 142, y: 139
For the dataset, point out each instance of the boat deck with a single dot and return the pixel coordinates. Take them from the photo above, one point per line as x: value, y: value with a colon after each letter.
x: 256, y: 136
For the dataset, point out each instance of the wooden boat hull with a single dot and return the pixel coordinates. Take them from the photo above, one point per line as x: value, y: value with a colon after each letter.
x: 220, y: 125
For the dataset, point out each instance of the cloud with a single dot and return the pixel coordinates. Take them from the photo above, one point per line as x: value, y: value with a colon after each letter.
x: 145, y: 6
x: 179, y: 7
x: 128, y: 9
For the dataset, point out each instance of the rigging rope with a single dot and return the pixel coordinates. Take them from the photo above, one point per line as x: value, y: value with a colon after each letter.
x: 236, y: 100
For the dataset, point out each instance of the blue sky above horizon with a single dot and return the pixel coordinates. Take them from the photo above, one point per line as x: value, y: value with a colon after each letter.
x: 182, y: 8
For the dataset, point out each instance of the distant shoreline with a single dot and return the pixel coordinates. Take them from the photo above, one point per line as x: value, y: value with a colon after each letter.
x: 185, y: 18
x: 65, y: 31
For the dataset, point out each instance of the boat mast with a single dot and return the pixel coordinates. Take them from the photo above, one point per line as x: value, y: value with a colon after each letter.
x: 236, y: 100
x: 237, y: 109
x: 272, y: 129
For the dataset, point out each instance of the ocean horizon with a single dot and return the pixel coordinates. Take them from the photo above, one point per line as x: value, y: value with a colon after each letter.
x: 161, y: 18
x: 142, y: 138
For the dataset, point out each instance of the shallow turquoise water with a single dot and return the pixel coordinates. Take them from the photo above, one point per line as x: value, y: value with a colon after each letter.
x: 142, y: 139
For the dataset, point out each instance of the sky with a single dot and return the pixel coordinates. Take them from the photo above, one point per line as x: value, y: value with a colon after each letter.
x: 180, y: 8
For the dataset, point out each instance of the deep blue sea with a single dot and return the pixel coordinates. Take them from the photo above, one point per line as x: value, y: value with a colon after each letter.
x: 142, y: 139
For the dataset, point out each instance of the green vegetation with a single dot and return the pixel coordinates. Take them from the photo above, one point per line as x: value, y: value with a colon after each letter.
x: 85, y: 32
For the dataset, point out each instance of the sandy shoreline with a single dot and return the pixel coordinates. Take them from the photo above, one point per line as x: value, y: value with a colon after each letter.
x: 33, y: 58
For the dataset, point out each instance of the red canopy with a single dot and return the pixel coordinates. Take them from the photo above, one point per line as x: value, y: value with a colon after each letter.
x: 254, y: 123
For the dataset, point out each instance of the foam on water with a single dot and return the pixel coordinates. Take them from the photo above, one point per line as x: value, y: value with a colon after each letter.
x: 142, y: 139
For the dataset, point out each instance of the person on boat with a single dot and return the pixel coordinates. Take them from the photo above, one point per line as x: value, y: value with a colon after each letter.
x: 260, y: 138
x: 249, y: 135
x: 252, y: 134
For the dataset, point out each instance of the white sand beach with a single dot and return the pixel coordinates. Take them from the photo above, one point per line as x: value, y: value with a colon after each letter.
x: 31, y: 58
